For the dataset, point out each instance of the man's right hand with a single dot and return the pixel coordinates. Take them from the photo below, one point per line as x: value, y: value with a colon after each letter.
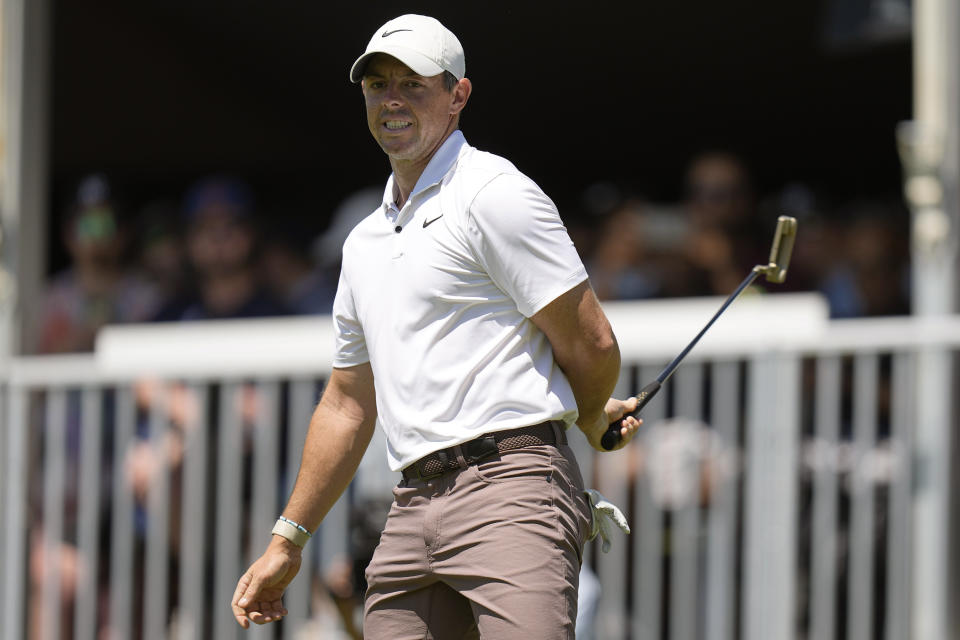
x: 260, y: 589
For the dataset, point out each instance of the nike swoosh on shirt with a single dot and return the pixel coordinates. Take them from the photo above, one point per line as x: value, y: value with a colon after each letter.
x: 390, y: 33
x: 427, y: 223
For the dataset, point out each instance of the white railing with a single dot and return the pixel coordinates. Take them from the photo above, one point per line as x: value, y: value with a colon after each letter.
x: 779, y: 491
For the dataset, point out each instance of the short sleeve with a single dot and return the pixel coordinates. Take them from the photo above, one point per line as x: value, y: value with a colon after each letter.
x: 350, y: 346
x: 520, y: 240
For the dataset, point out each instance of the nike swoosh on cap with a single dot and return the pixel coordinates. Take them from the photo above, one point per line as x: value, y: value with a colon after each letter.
x: 390, y: 33
x: 427, y: 223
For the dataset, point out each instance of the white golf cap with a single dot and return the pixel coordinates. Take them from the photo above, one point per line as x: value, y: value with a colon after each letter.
x: 420, y: 42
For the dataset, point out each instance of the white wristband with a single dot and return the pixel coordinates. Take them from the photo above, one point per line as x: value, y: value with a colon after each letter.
x: 286, y: 529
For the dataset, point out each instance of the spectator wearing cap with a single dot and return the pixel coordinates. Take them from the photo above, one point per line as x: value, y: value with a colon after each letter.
x: 97, y: 288
x: 221, y: 241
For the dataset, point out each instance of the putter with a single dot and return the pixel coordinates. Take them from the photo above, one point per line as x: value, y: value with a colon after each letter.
x: 775, y: 271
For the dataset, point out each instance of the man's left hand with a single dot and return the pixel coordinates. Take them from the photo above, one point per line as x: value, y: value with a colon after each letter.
x: 614, y: 411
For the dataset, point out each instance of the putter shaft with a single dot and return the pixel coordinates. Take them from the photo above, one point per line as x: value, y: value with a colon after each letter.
x: 775, y: 271
x: 612, y: 436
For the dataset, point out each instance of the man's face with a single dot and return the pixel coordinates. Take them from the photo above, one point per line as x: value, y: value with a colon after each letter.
x: 409, y: 115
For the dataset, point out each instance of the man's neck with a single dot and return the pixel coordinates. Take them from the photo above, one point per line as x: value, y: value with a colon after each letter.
x: 405, y: 176
x: 406, y: 173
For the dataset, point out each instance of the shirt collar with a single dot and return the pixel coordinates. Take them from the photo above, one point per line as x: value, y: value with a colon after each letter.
x: 441, y: 162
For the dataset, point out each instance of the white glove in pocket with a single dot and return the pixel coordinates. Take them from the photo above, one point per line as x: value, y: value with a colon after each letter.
x: 604, y: 512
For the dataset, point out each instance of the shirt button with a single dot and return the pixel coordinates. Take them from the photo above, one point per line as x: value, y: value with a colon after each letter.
x: 398, y: 228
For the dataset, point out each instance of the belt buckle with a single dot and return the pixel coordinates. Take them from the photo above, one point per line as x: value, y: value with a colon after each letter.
x: 479, y: 448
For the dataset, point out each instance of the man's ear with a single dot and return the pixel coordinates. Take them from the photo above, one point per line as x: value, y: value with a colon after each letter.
x: 461, y: 93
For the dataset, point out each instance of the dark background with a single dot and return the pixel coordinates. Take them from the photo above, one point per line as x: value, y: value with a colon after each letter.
x: 157, y: 93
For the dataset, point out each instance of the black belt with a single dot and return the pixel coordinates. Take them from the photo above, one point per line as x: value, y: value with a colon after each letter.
x: 440, y: 462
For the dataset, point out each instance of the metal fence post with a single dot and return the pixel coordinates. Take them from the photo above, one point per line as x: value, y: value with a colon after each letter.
x: 15, y: 515
x: 930, y: 150
x: 770, y: 537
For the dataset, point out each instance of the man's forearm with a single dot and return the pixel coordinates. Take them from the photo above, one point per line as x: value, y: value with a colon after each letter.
x: 339, y: 433
x: 340, y: 430
x: 585, y: 349
x: 331, y: 455
x: 592, y: 382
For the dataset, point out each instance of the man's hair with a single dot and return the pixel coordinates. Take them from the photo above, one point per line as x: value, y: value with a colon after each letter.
x: 449, y: 81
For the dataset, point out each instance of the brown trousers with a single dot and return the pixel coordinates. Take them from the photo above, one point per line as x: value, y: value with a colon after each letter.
x: 492, y: 550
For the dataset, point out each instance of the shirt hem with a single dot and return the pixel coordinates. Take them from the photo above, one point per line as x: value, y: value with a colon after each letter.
x: 565, y: 285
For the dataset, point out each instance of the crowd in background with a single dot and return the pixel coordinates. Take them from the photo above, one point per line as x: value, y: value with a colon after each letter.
x: 217, y: 252
x: 855, y: 253
x: 210, y: 256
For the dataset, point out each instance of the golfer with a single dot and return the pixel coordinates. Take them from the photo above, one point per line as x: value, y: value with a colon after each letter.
x: 465, y: 324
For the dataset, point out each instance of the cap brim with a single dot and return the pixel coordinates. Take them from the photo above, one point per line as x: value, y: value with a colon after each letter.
x: 419, y: 63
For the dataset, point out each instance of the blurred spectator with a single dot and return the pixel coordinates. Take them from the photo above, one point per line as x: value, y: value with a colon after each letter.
x: 597, y: 202
x: 328, y: 248
x: 588, y: 601
x: 161, y: 254
x: 70, y: 567
x: 710, y: 251
x: 175, y: 407
x: 871, y: 278
x: 666, y: 232
x: 95, y: 289
x: 725, y: 239
x: 617, y: 269
x: 221, y: 246
x: 222, y: 251
x: 719, y: 193
x: 287, y: 268
x: 686, y: 461
x: 345, y: 580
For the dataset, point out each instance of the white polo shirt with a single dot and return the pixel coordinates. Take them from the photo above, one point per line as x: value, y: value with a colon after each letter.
x: 437, y: 297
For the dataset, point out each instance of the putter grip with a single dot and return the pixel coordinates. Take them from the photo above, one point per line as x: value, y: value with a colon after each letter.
x: 612, y: 436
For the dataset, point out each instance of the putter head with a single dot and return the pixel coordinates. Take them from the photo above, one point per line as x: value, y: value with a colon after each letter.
x: 783, y: 239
